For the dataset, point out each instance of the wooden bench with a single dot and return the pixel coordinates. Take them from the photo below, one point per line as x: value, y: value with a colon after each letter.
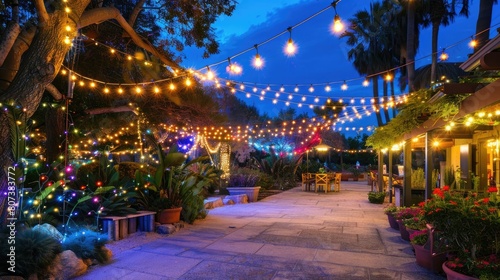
x: 119, y: 227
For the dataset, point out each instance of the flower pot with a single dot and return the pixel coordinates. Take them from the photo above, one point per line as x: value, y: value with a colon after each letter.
x: 169, y: 216
x: 405, y: 235
x: 252, y: 192
x: 426, y: 259
x: 453, y: 275
x: 392, y: 222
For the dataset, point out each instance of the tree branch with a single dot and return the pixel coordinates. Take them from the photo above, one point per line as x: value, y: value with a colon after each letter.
x: 43, y: 16
x: 135, y: 12
x: 97, y: 111
x: 96, y: 16
x: 50, y: 88
x: 8, y: 39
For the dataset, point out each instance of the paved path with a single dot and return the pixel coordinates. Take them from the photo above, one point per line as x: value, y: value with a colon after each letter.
x: 291, y: 235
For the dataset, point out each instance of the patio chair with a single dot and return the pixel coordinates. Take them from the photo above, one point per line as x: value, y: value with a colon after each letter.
x: 306, y: 181
x: 321, y: 181
x: 336, y: 182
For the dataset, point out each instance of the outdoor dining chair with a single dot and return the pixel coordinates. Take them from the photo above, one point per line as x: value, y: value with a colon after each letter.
x: 321, y: 181
x: 336, y: 181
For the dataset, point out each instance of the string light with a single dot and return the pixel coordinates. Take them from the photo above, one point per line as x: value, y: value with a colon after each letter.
x: 290, y: 47
x: 388, y: 77
x: 210, y: 75
x: 473, y: 43
x: 258, y: 61
x: 366, y: 83
x: 233, y: 68
x: 337, y: 26
x: 444, y: 56
x: 311, y: 89
x: 344, y: 86
x: 188, y: 82
x: 328, y: 88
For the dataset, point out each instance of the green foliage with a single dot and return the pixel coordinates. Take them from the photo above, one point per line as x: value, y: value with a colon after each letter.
x: 418, y: 179
x: 376, y: 197
x: 282, y: 170
x: 35, y: 251
x: 449, y: 177
x: 87, y: 244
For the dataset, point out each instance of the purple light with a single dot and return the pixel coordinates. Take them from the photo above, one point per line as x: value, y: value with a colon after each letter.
x: 69, y: 169
x: 73, y: 194
x: 96, y: 199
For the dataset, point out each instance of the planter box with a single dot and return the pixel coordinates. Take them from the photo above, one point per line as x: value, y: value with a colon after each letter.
x: 252, y: 193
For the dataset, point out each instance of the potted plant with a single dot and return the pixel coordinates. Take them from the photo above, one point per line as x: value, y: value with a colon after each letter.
x: 428, y: 253
x: 242, y: 181
x: 376, y: 197
x: 402, y: 214
x: 390, y: 210
x: 166, y: 199
x: 470, y: 225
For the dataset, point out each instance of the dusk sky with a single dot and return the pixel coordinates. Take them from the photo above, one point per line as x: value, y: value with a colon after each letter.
x: 321, y: 57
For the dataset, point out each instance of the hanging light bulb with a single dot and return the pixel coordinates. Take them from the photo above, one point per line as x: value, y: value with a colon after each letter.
x: 275, y: 101
x: 290, y: 47
x: 316, y: 100
x: 248, y: 95
x: 242, y: 87
x: 343, y: 86
x: 188, y: 82
x: 311, y: 88
x: 337, y: 25
x: 282, y: 88
x: 171, y: 86
x: 473, y: 43
x: 268, y: 88
x: 296, y: 89
x: 137, y: 89
x: 366, y: 83
x: 258, y: 61
x: 388, y: 77
x: 233, y: 68
x: 444, y: 56
x: 156, y: 90
x: 277, y: 94
x: 304, y: 98
x: 120, y: 90
x: 254, y: 89
x: 328, y: 88
x: 290, y: 97
x: 106, y: 89
x: 210, y: 75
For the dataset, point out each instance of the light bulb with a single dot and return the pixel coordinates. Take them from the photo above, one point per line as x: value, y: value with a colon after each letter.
x: 366, y: 83
x: 171, y: 86
x: 282, y: 89
x: 188, y: 82
x: 338, y: 26
x: 210, y: 75
x: 473, y: 43
x: 343, y: 86
x: 258, y: 62
x: 311, y: 89
x: 328, y: 88
x: 290, y: 48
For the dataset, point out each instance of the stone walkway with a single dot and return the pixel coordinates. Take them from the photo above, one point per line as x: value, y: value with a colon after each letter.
x: 291, y: 235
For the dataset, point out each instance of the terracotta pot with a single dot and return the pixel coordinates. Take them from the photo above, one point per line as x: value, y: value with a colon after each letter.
x: 169, y: 216
x: 453, y: 275
x: 402, y: 230
x: 426, y: 259
x: 392, y: 222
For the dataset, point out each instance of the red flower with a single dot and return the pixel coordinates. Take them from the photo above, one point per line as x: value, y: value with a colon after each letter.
x: 421, y: 204
x: 453, y: 202
x: 486, y: 199
x: 446, y: 188
x: 438, y: 192
x: 492, y: 189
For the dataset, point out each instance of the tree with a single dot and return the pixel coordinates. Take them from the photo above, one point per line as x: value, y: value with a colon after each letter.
x: 437, y: 13
x: 483, y: 23
x: 374, y: 49
x: 33, y: 49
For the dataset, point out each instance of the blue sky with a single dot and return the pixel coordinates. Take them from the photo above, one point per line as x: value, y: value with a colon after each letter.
x: 322, y: 57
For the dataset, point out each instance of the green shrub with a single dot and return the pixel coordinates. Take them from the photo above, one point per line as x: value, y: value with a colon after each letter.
x: 35, y: 251
x: 87, y: 244
x: 376, y: 197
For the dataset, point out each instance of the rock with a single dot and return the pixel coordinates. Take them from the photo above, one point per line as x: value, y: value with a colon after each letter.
x: 166, y: 229
x: 88, y: 262
x: 50, y: 230
x: 213, y: 202
x: 54, y: 271
x: 11, y: 278
x: 228, y: 201
x: 238, y: 198
x: 109, y: 254
x: 72, y: 265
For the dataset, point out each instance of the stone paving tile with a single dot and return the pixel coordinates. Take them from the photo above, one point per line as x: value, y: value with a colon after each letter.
x: 161, y: 248
x: 265, y: 262
x: 208, y: 254
x: 100, y: 272
x: 283, y: 231
x: 209, y: 270
x: 143, y: 276
x: 236, y: 246
x: 296, y: 241
x: 161, y: 265
x: 332, y: 270
x: 287, y: 252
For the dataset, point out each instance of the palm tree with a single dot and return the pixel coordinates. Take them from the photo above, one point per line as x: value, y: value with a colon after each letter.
x: 374, y: 46
x: 437, y: 13
x: 483, y: 23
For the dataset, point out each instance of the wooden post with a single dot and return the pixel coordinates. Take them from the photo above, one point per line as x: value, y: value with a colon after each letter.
x: 380, y: 178
x: 389, y: 181
x: 428, y: 165
x: 407, y: 174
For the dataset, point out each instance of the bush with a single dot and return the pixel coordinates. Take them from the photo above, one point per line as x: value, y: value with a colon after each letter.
x: 376, y: 197
x: 35, y: 252
x: 87, y: 244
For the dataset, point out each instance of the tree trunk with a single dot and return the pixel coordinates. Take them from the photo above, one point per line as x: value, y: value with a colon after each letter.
x: 393, y: 99
x: 54, y: 128
x: 435, y: 33
x: 376, y: 103
x: 483, y: 23
x: 410, y: 45
x: 386, y: 99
